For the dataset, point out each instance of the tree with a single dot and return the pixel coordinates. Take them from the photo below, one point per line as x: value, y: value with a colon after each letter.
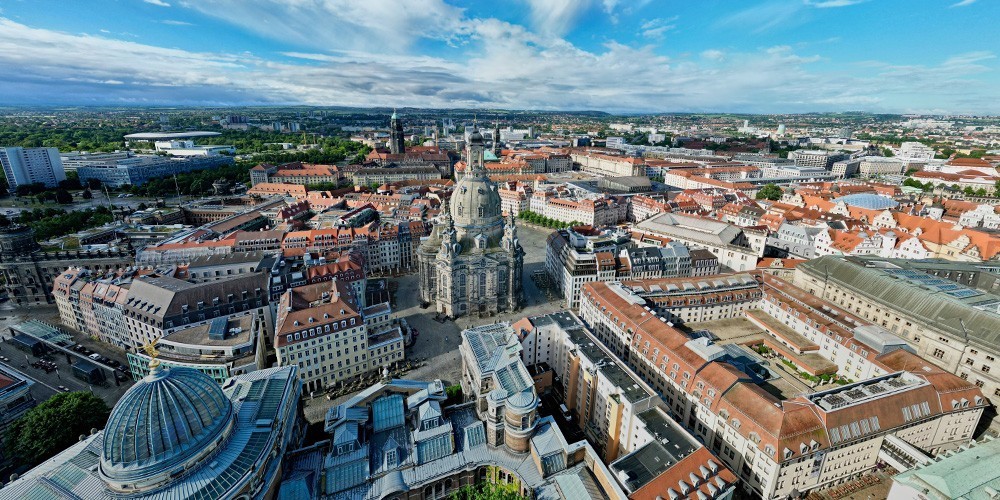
x: 87, y: 195
x: 53, y: 426
x: 770, y: 192
x: 143, y: 206
x: 487, y: 491
x: 63, y: 197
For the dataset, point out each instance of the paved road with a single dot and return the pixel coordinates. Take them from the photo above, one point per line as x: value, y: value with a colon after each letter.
x: 437, y: 345
x: 47, y: 383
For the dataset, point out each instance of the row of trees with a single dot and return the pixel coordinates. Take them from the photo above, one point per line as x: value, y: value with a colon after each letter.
x: 53, y: 222
x: 192, y: 183
x: 969, y: 191
x: 541, y: 220
x: 53, y: 426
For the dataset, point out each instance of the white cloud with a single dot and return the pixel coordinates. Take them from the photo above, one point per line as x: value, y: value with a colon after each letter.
x: 158, y: 3
x: 655, y: 29
x: 713, y: 55
x: 556, y: 17
x: 174, y: 22
x: 506, y: 66
x: 332, y: 25
x: 764, y: 17
x: 963, y: 3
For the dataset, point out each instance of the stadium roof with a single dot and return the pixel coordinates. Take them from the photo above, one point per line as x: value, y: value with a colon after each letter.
x: 165, y: 136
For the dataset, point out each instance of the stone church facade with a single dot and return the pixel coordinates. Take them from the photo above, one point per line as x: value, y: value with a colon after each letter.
x: 472, y: 261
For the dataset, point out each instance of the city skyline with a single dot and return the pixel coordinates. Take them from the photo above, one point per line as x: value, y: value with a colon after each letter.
x: 617, y: 56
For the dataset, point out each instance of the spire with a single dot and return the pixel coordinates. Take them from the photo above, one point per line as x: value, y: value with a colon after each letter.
x: 496, y: 138
x: 393, y: 117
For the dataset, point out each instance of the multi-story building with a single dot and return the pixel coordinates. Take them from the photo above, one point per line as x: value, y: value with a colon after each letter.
x: 157, y: 306
x: 816, y: 158
x: 795, y: 240
x: 23, y: 166
x: 685, y: 300
x: 383, y: 247
x: 727, y: 242
x: 972, y: 472
x: 597, y: 212
x: 514, y: 201
x: 574, y: 257
x: 948, y: 323
x: 777, y: 445
x: 325, y: 330
x: 135, y: 170
x: 618, y: 412
x: 28, y: 271
x: 221, y: 348
x: 915, y: 151
x: 15, y: 401
x: 386, y: 175
x: 868, y: 166
x: 606, y: 165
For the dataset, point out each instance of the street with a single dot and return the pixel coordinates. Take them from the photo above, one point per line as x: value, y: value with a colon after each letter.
x: 47, y: 384
x: 437, y: 343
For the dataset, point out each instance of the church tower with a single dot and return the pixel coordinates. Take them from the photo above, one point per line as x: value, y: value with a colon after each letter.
x: 473, y: 260
x: 496, y: 139
x: 397, y: 144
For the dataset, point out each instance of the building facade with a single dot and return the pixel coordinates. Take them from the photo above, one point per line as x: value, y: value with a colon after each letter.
x: 472, y: 262
x: 24, y: 166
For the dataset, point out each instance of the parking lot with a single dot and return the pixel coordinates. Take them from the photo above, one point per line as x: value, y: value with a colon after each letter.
x: 57, y: 371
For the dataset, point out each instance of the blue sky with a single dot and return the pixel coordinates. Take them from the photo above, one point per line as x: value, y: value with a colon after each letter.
x: 909, y: 56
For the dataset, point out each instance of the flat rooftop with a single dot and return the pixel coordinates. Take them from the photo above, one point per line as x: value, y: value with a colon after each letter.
x: 646, y: 463
x: 631, y: 388
x: 198, y: 334
x: 166, y: 136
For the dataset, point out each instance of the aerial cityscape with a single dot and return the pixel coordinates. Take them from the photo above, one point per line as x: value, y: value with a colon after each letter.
x: 440, y: 249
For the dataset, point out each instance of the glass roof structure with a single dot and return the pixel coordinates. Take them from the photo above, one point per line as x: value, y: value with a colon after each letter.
x: 868, y: 200
x: 169, y: 417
